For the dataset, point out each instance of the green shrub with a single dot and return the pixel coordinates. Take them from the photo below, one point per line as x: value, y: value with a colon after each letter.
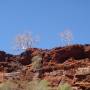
x: 36, y: 62
x: 8, y: 85
x: 38, y: 85
x: 24, y: 85
x: 65, y: 86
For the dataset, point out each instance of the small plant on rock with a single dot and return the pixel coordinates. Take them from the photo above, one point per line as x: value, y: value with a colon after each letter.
x: 38, y: 85
x: 65, y: 86
x: 36, y: 62
x: 8, y: 85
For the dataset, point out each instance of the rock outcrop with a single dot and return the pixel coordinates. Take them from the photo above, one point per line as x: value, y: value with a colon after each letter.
x: 69, y: 64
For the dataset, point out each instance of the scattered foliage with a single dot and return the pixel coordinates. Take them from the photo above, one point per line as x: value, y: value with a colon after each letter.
x: 38, y: 85
x: 8, y: 85
x: 37, y: 62
x: 65, y: 86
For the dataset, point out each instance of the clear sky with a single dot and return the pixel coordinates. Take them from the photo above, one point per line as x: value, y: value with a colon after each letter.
x: 45, y: 18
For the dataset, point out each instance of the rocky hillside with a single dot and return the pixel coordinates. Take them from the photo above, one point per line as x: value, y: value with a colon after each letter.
x: 69, y: 64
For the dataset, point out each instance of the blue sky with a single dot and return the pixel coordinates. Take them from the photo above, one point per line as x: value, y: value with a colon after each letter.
x: 45, y: 18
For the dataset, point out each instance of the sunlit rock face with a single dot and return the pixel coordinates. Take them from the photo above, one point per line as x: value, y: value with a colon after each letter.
x: 59, y: 65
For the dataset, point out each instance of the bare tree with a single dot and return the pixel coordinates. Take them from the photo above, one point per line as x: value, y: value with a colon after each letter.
x: 66, y: 36
x: 24, y: 41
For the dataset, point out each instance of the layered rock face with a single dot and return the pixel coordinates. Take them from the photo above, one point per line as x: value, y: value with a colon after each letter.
x: 69, y: 64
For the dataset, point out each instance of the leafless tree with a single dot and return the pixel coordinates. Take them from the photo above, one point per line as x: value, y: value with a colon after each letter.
x: 66, y: 36
x: 24, y: 41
